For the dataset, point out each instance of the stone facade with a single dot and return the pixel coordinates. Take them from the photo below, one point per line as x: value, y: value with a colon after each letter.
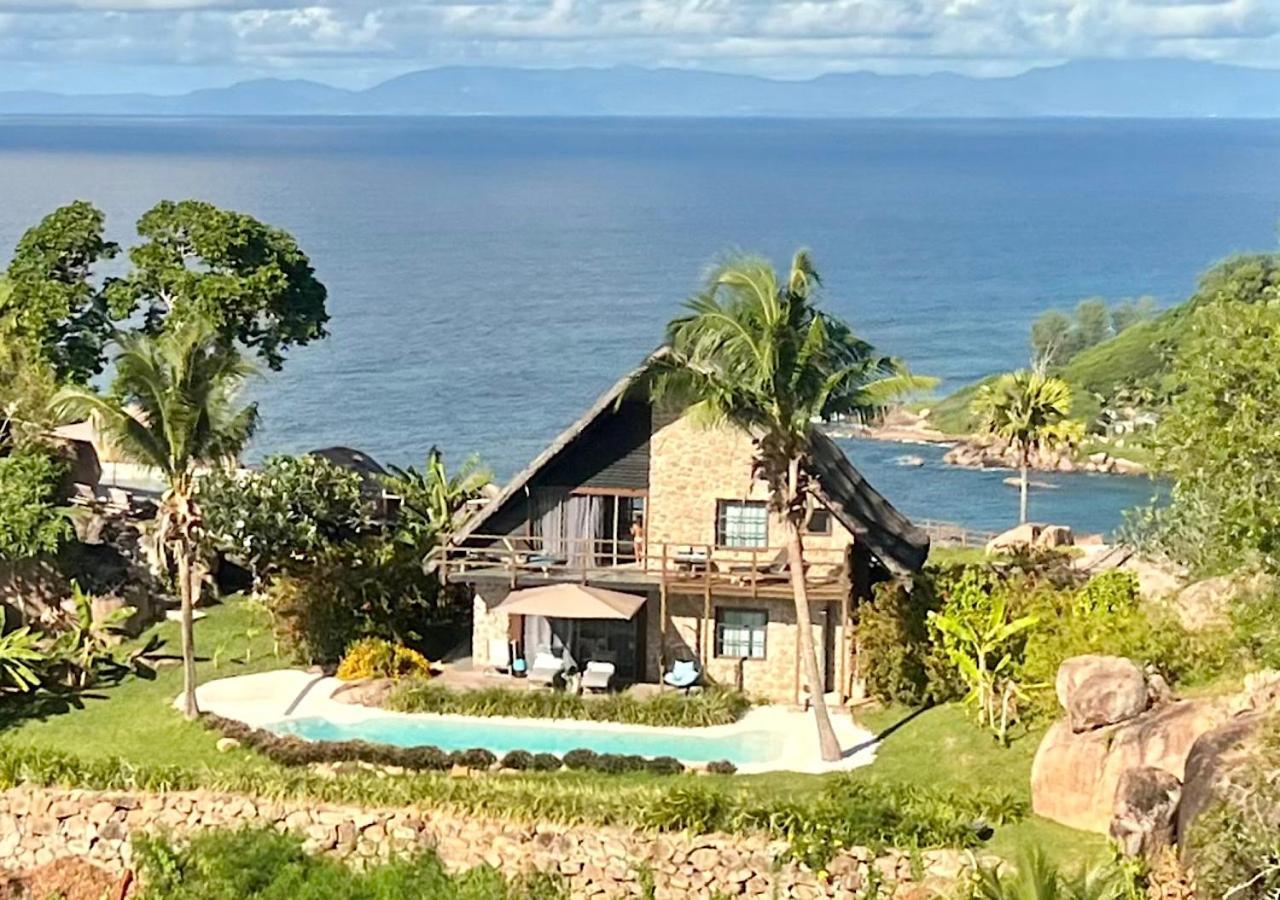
x: 487, y: 624
x: 38, y: 826
x: 775, y: 678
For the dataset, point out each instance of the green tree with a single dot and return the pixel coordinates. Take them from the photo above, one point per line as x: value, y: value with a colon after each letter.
x: 174, y: 409
x: 281, y: 515
x: 249, y: 280
x: 1028, y: 410
x: 1128, y: 313
x: 756, y: 353
x: 32, y: 524
x: 1218, y: 441
x: 1052, y: 339
x: 26, y: 385
x: 1093, y: 323
x: 52, y: 304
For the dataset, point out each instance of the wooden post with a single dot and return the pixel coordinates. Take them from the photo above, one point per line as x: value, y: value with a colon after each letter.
x: 706, y: 614
x: 662, y: 631
x: 846, y: 647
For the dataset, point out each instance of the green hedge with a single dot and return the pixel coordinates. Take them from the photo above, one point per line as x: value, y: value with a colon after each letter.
x: 288, y: 750
x: 712, y: 706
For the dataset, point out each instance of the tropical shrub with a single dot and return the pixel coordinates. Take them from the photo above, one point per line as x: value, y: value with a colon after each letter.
x: 896, y: 655
x: 721, y: 767
x: 21, y: 661
x: 261, y: 864
x: 475, y: 758
x: 277, y: 517
x: 546, y: 762
x: 714, y: 706
x: 31, y: 522
x: 377, y: 658
x: 1036, y: 878
x: 519, y: 760
x: 581, y: 759
x: 365, y: 588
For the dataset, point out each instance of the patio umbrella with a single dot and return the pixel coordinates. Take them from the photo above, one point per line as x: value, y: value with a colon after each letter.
x: 572, y: 601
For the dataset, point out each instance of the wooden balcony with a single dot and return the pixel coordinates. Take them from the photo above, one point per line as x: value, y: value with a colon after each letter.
x: 526, y: 561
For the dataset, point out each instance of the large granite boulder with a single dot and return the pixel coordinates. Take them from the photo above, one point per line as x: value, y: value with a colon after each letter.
x: 1100, y: 690
x: 1146, y: 811
x: 1207, y: 604
x: 1075, y: 775
x: 1216, y: 755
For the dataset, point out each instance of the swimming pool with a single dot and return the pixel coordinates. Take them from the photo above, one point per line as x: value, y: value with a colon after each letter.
x: 504, y: 735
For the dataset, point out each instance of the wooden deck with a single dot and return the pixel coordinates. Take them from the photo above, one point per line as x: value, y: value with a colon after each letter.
x: 696, y: 569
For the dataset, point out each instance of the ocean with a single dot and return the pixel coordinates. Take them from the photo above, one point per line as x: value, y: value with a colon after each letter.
x: 489, y: 277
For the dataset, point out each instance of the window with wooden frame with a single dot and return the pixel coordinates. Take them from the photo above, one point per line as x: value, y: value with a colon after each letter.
x: 740, y: 633
x: 742, y: 523
x: 819, y: 521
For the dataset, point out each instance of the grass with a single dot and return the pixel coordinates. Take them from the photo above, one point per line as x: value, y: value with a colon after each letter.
x: 936, y: 748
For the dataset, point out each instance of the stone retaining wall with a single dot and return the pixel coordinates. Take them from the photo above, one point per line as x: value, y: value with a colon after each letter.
x: 38, y: 826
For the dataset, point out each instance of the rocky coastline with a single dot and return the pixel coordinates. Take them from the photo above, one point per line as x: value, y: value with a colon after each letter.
x: 903, y: 426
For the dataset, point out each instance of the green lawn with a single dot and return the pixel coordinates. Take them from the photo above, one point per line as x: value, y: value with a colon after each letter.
x: 937, y: 747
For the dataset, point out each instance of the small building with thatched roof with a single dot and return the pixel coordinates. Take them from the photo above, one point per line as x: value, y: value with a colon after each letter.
x: 640, y: 499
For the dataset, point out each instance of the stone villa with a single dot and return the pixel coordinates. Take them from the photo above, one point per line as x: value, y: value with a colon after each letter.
x: 638, y: 499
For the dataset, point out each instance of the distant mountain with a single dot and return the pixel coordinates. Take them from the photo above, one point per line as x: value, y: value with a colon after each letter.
x: 1142, y: 88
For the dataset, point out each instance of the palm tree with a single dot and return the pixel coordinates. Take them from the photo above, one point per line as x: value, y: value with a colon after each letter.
x: 1027, y: 410
x: 755, y: 353
x: 173, y: 409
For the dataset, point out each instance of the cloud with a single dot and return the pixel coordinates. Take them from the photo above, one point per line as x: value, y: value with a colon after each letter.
x: 376, y: 38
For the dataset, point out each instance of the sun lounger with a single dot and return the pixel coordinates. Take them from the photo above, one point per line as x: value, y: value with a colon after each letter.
x: 546, y: 668
x: 684, y: 674
x: 598, y: 675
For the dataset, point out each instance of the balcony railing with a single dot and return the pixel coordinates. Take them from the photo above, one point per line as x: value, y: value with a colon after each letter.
x: 681, y: 566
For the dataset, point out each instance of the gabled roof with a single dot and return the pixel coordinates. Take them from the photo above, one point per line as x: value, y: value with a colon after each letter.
x: 896, y: 542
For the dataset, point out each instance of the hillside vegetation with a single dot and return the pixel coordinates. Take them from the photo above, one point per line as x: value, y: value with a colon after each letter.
x: 1134, y: 364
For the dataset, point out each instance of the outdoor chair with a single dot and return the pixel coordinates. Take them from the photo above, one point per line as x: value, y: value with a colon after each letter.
x: 684, y: 674
x: 598, y: 675
x: 546, y: 668
x: 500, y: 654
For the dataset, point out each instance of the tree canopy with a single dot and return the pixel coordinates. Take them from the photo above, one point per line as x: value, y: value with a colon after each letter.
x: 53, y: 303
x: 250, y: 281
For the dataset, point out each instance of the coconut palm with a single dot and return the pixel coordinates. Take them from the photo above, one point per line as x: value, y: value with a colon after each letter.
x: 174, y: 410
x: 756, y: 353
x: 1028, y: 410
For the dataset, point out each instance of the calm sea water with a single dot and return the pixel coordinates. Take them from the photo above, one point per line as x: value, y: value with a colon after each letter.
x: 489, y: 277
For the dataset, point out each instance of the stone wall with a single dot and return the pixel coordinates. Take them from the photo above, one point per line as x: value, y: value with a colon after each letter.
x: 691, y: 467
x: 38, y: 826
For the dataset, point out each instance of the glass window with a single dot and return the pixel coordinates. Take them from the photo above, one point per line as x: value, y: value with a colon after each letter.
x: 742, y: 523
x: 740, y: 632
x: 819, y: 522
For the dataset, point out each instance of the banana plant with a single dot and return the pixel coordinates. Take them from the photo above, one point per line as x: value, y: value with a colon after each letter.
x: 980, y: 644
x: 20, y: 659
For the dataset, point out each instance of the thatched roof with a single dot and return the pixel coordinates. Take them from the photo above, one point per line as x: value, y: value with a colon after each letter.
x: 887, y: 533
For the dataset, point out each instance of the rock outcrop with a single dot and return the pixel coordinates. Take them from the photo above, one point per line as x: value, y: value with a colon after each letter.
x: 1128, y: 759
x: 980, y: 452
x: 369, y: 692
x: 1207, y: 604
x: 1031, y: 535
x: 1075, y: 775
x: 1146, y: 811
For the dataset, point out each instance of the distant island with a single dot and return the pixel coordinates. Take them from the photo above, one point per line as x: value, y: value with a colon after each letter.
x: 1156, y: 88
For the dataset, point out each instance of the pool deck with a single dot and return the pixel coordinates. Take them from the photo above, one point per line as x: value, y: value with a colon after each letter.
x: 269, y: 697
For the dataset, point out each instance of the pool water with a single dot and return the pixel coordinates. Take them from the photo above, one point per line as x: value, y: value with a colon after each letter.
x: 503, y: 736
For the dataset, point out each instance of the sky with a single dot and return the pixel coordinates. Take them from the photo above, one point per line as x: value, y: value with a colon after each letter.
x: 172, y: 46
